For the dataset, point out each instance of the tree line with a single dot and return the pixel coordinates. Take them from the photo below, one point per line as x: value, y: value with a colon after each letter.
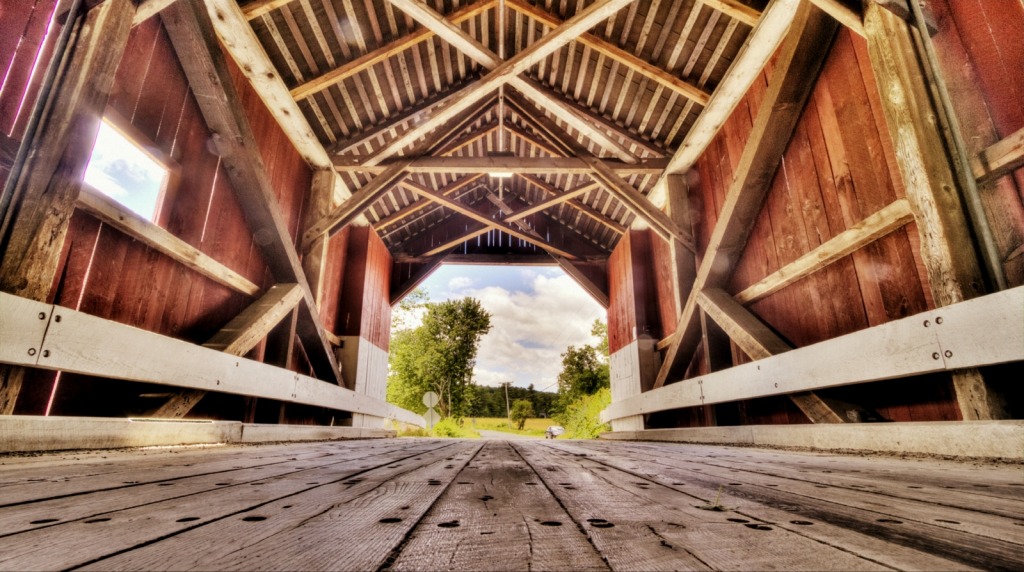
x: 439, y: 355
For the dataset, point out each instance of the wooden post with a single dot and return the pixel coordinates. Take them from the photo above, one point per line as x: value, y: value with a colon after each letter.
x: 51, y: 181
x: 315, y: 257
x: 946, y: 245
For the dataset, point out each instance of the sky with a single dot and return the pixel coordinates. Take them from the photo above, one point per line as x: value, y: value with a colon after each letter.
x: 124, y: 172
x: 536, y: 312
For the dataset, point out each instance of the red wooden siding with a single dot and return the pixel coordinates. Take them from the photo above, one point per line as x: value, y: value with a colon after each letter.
x: 982, y: 58
x: 633, y: 295
x: 838, y: 168
x: 108, y: 274
x: 365, y: 307
x: 621, y: 308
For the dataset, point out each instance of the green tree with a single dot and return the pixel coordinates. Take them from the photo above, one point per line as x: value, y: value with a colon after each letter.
x: 438, y: 356
x: 599, y: 330
x: 581, y: 418
x: 522, y: 410
x: 583, y: 373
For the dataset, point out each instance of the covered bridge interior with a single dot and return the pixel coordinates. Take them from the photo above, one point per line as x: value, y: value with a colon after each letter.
x: 805, y: 218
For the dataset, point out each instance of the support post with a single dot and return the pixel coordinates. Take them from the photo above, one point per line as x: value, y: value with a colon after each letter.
x: 45, y: 194
x: 947, y: 249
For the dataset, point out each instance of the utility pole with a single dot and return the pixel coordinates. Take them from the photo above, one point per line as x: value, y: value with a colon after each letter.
x: 508, y: 412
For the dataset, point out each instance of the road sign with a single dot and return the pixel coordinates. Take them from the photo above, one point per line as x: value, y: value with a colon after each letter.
x: 431, y: 417
x: 430, y: 399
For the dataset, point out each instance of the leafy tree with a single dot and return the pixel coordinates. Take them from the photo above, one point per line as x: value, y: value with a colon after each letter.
x: 438, y: 356
x: 522, y: 410
x: 583, y: 373
x: 599, y: 330
x: 581, y: 418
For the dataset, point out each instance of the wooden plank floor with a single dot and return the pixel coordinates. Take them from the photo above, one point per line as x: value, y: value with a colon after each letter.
x: 425, y: 504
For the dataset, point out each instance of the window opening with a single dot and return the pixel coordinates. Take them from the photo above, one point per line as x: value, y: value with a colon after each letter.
x: 123, y: 170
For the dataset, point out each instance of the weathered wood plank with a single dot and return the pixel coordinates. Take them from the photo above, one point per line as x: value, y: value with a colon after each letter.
x: 79, y: 343
x: 128, y: 528
x: 496, y: 528
x: 758, y: 49
x: 1000, y: 158
x: 799, y: 60
x: 501, y: 164
x: 43, y: 198
x: 192, y: 34
x: 640, y: 522
x: 975, y: 333
x: 853, y: 519
x: 155, y: 237
x: 850, y: 240
x: 946, y: 246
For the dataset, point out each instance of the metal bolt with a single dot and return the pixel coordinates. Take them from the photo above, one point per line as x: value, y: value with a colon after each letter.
x: 56, y: 318
x: 935, y: 355
x: 938, y: 320
x: 42, y: 315
x: 31, y: 351
x: 948, y: 354
x: 46, y: 353
x: 927, y: 323
x: 776, y: 385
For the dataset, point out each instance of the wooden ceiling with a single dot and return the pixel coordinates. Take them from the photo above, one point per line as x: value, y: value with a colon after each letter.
x: 416, y: 102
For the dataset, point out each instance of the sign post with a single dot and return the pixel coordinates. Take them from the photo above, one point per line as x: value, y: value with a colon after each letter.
x: 431, y: 417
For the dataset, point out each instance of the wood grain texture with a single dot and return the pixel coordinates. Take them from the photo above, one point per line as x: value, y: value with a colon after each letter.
x: 418, y: 504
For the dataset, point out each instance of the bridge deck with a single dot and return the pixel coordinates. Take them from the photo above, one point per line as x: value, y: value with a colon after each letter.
x: 419, y: 504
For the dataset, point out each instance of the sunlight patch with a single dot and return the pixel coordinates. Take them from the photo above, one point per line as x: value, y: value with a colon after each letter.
x: 122, y: 170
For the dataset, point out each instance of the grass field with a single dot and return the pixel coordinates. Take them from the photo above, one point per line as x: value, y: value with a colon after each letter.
x: 534, y: 427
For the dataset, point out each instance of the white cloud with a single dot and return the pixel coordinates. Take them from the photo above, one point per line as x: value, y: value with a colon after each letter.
x: 459, y: 283
x: 531, y: 329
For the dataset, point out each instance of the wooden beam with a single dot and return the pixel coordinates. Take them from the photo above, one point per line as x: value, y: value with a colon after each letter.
x: 532, y: 139
x: 315, y: 259
x: 587, y: 210
x: 691, y: 92
x: 684, y: 261
x: 735, y: 10
x: 44, y: 195
x: 457, y: 240
x: 600, y: 295
x: 75, y: 342
x: 979, y: 332
x: 509, y: 165
x: 241, y: 43
x: 479, y: 217
x: 149, y: 8
x: 881, y: 223
x: 489, y: 60
x: 610, y: 180
x: 759, y: 47
x: 1000, y: 158
x: 843, y: 14
x: 192, y: 35
x: 391, y: 124
x: 238, y: 337
x: 114, y: 214
x: 257, y: 8
x: 504, y: 72
x: 426, y: 268
x: 420, y: 204
x: 946, y: 246
x: 589, y: 115
x: 796, y: 69
x: 552, y: 202
x: 751, y: 334
x: 383, y: 53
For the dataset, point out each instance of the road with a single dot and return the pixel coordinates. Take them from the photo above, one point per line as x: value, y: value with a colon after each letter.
x: 485, y: 434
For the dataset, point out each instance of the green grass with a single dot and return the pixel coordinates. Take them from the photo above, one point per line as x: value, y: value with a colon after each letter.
x: 447, y: 427
x: 534, y: 427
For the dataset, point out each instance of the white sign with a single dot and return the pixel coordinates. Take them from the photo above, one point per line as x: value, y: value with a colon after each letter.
x: 431, y: 417
x: 430, y: 399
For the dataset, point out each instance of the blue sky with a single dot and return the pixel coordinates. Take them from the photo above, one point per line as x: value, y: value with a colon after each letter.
x: 536, y: 312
